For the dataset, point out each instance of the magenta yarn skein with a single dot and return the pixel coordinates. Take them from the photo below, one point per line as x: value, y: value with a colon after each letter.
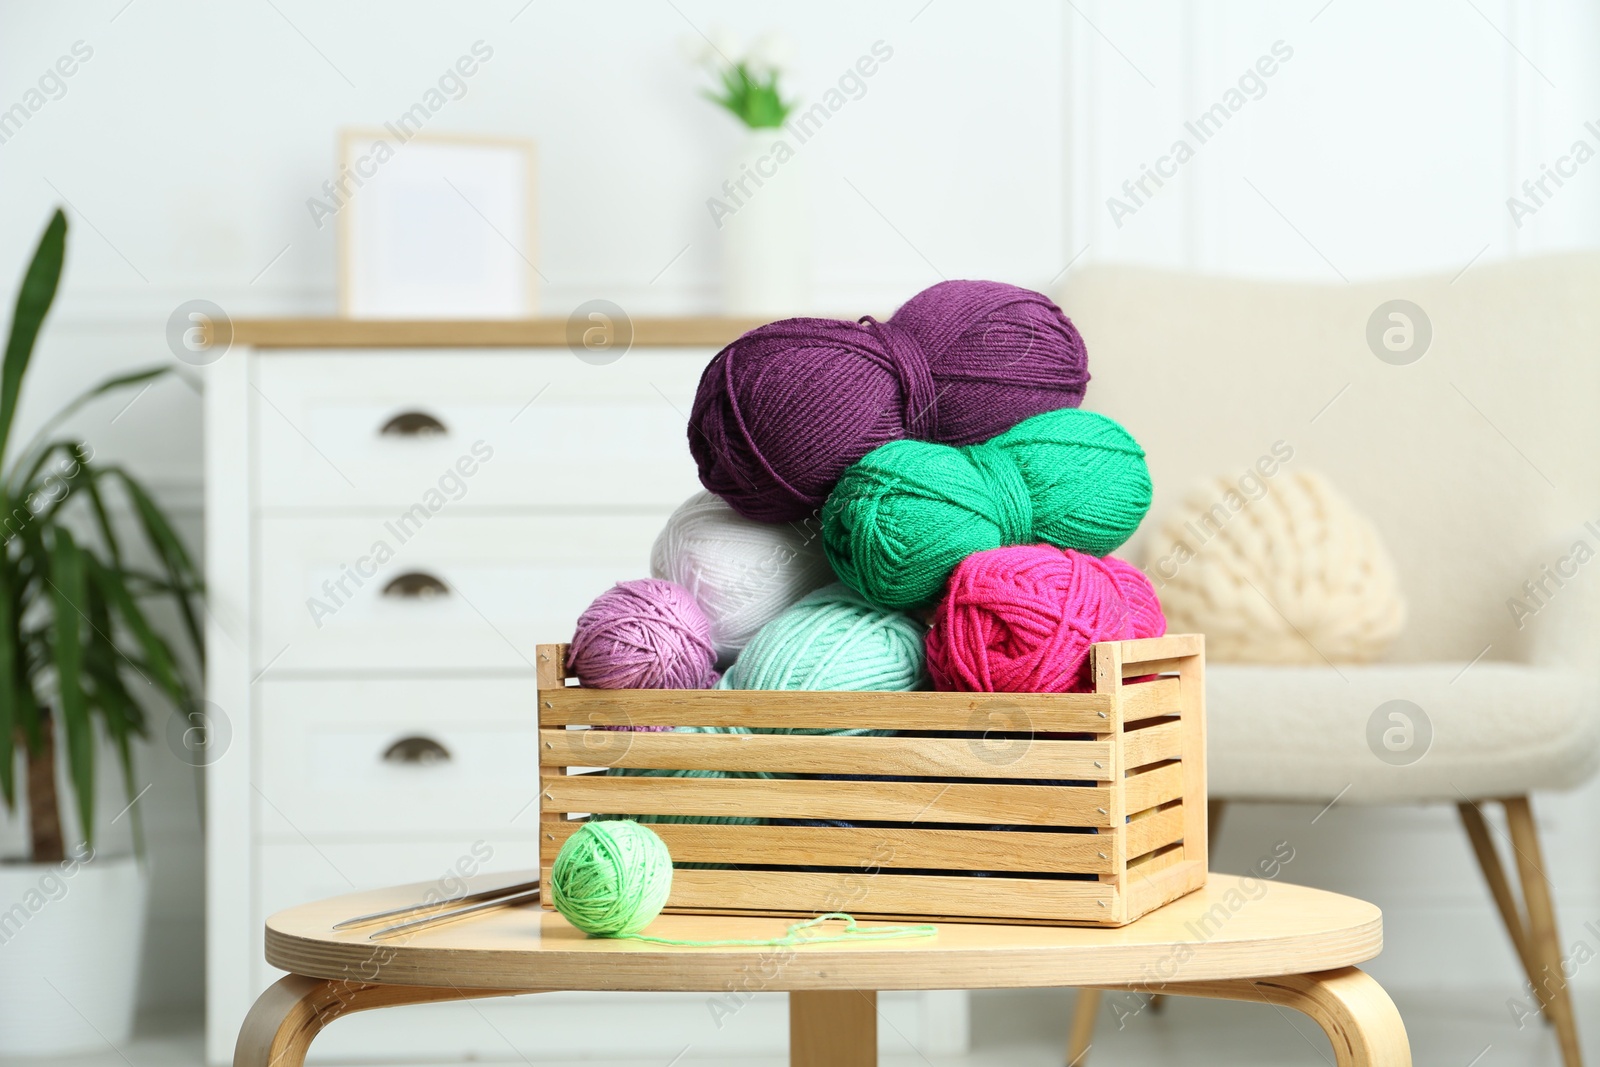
x: 1145, y: 618
x: 783, y: 410
x: 644, y: 634
x: 1021, y: 619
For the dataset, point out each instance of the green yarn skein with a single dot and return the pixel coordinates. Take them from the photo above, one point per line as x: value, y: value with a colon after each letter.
x: 905, y: 514
x: 832, y: 638
x: 611, y: 879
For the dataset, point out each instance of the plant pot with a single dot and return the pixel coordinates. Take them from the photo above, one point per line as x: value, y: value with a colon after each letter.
x: 70, y: 941
x: 764, y: 216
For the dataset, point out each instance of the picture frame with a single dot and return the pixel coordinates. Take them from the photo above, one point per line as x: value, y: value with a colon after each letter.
x: 435, y: 226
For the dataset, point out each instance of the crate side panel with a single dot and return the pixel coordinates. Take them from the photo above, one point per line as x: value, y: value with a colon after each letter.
x: 893, y: 894
x: 924, y: 802
x: 771, y: 709
x: 1153, y: 744
x: 925, y: 757
x: 865, y: 848
x: 1155, y: 786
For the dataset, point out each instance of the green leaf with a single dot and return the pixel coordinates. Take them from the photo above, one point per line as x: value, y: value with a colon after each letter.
x: 123, y: 716
x: 10, y: 681
x: 109, y: 385
x: 163, y: 668
x: 38, y: 292
x: 180, y: 569
x: 67, y: 585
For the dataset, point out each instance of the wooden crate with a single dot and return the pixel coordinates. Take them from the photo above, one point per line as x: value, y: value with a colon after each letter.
x: 971, y: 782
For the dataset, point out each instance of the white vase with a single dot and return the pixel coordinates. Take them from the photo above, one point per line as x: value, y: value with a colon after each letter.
x: 70, y: 941
x: 764, y: 219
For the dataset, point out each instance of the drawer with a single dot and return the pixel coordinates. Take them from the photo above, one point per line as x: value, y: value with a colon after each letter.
x: 531, y: 426
x: 499, y: 585
x: 398, y: 759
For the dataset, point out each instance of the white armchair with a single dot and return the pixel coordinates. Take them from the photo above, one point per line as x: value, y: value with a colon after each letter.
x: 1479, y: 463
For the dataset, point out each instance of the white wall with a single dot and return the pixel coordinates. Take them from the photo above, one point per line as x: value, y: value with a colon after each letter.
x: 188, y: 145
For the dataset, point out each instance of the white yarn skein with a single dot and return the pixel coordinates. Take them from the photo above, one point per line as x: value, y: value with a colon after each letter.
x: 1295, y: 576
x: 743, y: 573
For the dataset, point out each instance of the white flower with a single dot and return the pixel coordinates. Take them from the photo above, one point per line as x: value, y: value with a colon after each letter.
x: 724, y: 47
x: 771, y: 51
x: 713, y: 51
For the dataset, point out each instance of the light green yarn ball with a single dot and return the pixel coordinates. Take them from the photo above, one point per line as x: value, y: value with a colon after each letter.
x: 611, y: 878
x: 833, y: 639
x: 905, y: 514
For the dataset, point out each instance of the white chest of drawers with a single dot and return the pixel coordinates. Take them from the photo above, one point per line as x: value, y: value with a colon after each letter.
x: 394, y: 518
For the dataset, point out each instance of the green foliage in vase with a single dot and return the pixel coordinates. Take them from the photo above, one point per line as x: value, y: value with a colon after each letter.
x: 77, y: 647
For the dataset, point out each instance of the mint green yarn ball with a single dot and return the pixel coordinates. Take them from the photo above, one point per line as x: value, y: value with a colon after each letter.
x: 905, y: 514
x: 833, y: 638
x: 611, y: 879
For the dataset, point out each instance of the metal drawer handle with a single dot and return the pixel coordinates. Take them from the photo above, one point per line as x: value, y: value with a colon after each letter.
x: 413, y: 424
x: 415, y: 585
x: 416, y: 750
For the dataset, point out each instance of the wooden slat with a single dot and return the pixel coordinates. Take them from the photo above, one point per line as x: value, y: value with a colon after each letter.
x: 1146, y: 892
x: 552, y: 664
x: 1157, y: 666
x: 1152, y: 699
x: 1147, y: 865
x: 1153, y: 829
x: 1192, y: 697
x: 908, y: 895
x: 1153, y: 744
x: 1035, y: 758
x: 1145, y: 651
x: 921, y: 802
x: 1153, y: 787
x: 890, y: 848
x: 771, y: 709
x: 695, y: 332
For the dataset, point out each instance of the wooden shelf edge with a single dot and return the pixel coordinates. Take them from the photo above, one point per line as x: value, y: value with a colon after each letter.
x: 692, y: 332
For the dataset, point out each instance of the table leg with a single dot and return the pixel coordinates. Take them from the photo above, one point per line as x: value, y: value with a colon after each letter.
x: 294, y: 1010
x: 833, y: 1028
x: 1349, y: 1005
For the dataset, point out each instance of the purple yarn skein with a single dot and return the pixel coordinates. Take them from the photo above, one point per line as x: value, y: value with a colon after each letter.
x: 644, y: 634
x: 783, y: 410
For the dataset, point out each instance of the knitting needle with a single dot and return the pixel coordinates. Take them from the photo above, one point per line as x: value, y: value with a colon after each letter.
x: 411, y: 909
x: 451, y: 916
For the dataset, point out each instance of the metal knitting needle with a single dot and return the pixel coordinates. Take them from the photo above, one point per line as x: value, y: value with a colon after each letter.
x: 412, y: 909
x: 451, y: 916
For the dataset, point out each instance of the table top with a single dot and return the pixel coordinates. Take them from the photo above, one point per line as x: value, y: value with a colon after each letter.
x: 1233, y: 928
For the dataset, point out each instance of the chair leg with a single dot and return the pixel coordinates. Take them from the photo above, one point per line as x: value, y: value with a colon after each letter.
x: 1081, y: 1038
x: 1543, y: 941
x: 1494, y: 873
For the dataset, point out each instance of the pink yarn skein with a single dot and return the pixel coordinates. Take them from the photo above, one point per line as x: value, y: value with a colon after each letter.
x: 644, y: 634
x: 1021, y: 619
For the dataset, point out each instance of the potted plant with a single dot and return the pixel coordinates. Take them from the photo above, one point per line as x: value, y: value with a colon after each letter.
x: 78, y: 656
x: 761, y: 209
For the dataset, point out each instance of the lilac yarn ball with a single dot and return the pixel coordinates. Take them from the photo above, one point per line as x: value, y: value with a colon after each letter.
x: 644, y: 634
x: 782, y: 411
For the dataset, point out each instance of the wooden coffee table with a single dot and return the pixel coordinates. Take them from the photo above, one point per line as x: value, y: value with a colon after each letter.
x: 1236, y: 939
